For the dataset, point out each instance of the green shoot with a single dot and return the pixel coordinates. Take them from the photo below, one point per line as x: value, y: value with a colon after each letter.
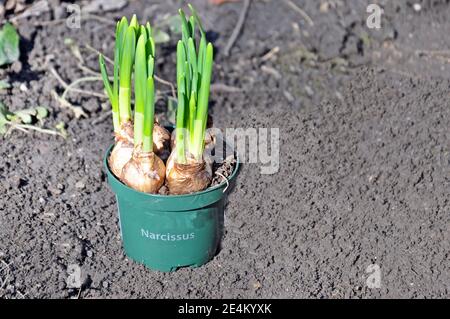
x: 120, y: 36
x: 134, y: 47
x: 134, y: 22
x: 126, y: 68
x: 180, y: 119
x: 144, y: 90
x: 191, y: 124
x: 149, y: 116
x: 113, y: 93
x: 113, y: 98
x: 194, y: 70
x: 203, y: 97
x: 140, y: 87
x: 197, y: 19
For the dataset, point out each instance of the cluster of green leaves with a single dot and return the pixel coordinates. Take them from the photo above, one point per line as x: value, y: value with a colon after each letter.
x: 127, y: 36
x: 134, y: 47
x: 194, y: 69
x: 144, y: 88
x: 9, y: 44
x: 27, y: 116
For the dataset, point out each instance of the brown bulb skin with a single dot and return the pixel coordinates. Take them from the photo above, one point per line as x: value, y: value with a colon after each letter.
x: 145, y: 172
x: 161, y: 141
x: 194, y: 176
x: 123, y: 150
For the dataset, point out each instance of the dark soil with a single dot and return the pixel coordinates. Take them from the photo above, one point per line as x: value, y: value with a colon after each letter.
x: 364, y: 176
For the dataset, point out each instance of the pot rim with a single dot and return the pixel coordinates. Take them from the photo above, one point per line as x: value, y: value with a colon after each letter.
x: 209, y: 189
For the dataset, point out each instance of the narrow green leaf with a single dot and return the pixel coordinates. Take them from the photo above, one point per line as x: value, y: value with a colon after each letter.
x: 150, y: 66
x: 192, y: 26
x: 142, y: 31
x: 112, y: 94
x: 149, y: 30
x: 195, y: 85
x: 152, y: 47
x: 171, y: 110
x: 185, y: 31
x: 134, y: 22
x: 187, y: 74
x: 105, y: 79
x: 201, y: 54
x: 140, y: 87
x: 205, y: 84
x: 127, y: 58
x: 181, y: 58
x: 125, y: 74
x: 149, y: 117
x: 120, y: 39
x: 192, y: 113
x: 202, y: 106
x: 118, y: 50
x: 192, y: 55
x: 197, y: 19
x: 180, y: 128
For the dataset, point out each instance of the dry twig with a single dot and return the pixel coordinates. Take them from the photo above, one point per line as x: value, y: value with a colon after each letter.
x: 300, y: 11
x: 237, y: 29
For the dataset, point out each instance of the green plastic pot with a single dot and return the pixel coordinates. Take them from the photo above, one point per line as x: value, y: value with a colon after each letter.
x: 166, y: 232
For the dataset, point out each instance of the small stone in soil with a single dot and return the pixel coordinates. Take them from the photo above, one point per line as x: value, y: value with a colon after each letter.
x: 309, y: 91
x: 16, y: 67
x: 23, y: 87
x: 288, y: 96
x: 54, y: 190
x: 80, y: 185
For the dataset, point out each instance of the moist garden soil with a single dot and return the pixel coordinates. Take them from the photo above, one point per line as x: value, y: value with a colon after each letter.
x: 364, y: 147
